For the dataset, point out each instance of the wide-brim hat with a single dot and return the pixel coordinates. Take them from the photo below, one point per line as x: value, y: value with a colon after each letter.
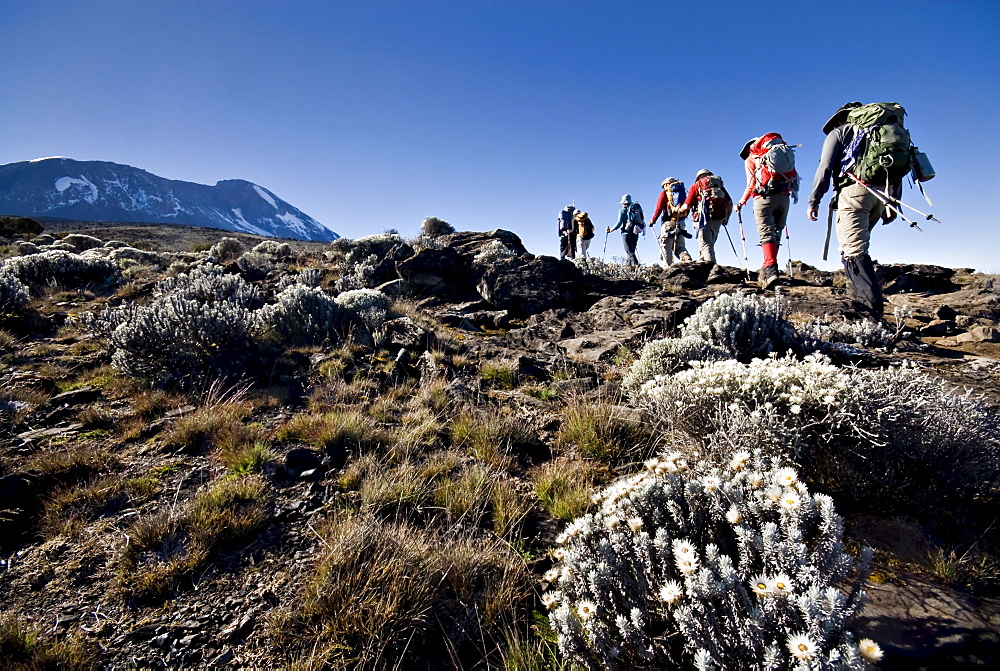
x: 626, y: 200
x: 667, y: 181
x: 580, y: 214
x: 701, y: 173
x: 745, y: 152
x: 840, y: 116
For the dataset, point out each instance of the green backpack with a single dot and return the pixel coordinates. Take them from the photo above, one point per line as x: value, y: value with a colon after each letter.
x: 880, y: 153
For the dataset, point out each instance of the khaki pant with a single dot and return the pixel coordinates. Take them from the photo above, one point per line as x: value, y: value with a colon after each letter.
x: 857, y: 213
x: 707, y: 235
x: 672, y: 244
x: 770, y: 213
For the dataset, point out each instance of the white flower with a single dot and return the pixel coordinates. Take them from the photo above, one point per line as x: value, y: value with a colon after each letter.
x: 790, y: 501
x: 586, y: 609
x: 635, y: 524
x: 733, y: 515
x: 551, y: 575
x: 761, y: 586
x: 550, y: 599
x: 651, y: 463
x: 796, y: 409
x: 781, y: 585
x: 870, y: 650
x: 671, y: 592
x: 710, y: 483
x: 802, y: 647
x: 774, y: 493
x: 739, y: 460
x: 559, y: 554
x: 687, y: 566
x: 612, y: 522
x: 786, y: 476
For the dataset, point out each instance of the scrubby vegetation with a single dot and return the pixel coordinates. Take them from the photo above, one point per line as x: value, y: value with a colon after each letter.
x: 257, y: 458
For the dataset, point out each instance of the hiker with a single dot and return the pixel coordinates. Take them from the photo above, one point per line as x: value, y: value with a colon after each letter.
x: 567, y: 233
x: 712, y: 207
x: 868, y: 142
x: 771, y: 181
x: 672, y: 232
x: 584, y: 232
x: 632, y: 223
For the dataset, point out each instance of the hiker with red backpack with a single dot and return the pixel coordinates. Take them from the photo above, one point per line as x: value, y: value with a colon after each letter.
x: 672, y: 232
x: 631, y: 221
x: 712, y: 206
x: 771, y: 182
x: 866, y: 154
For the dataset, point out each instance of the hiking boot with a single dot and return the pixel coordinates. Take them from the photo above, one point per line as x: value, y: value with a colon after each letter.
x: 768, y: 276
x: 686, y: 258
x: 863, y: 284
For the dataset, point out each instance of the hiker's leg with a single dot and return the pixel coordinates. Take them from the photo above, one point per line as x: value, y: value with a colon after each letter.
x: 857, y: 209
x: 630, y: 240
x: 572, y: 245
x: 584, y: 246
x: 866, y: 289
x: 709, y: 235
x: 667, y: 247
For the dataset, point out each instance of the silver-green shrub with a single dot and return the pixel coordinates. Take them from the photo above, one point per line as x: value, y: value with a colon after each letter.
x: 142, y: 256
x: 358, y: 274
x: 369, y: 305
x: 23, y: 248
x: 864, y: 332
x: 888, y: 440
x: 493, y: 253
x: 733, y: 567
x: 666, y: 356
x: 432, y: 227
x: 198, y: 326
x: 226, y: 249
x: 13, y: 294
x: 82, y: 242
x: 378, y: 244
x: 302, y: 316
x: 745, y: 325
x: 310, y: 277
x: 255, y: 265
x: 274, y: 248
x: 62, y: 268
x: 616, y: 269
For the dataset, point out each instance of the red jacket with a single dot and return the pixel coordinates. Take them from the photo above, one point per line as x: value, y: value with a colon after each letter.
x: 694, y: 196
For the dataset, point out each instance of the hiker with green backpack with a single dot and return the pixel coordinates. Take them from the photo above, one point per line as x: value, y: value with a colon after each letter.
x: 866, y: 154
x: 631, y: 222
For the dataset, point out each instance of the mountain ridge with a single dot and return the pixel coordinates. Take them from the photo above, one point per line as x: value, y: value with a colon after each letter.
x: 106, y: 191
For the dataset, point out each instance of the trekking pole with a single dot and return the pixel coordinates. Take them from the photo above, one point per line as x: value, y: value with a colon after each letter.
x: 657, y: 238
x: 829, y: 225
x: 896, y: 201
x: 743, y: 237
x: 735, y: 253
x: 606, y: 234
x: 788, y: 245
x: 885, y: 201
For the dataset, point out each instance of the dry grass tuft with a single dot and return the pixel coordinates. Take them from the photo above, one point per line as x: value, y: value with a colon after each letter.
x: 564, y: 487
x: 24, y: 646
x: 69, y: 509
x: 605, y: 431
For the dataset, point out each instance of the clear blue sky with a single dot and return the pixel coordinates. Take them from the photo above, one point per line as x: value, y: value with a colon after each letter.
x: 371, y: 115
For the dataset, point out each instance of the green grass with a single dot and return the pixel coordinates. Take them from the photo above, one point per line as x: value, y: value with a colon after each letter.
x: 24, y: 646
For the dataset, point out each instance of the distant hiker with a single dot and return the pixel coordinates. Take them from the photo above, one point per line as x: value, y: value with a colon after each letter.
x: 712, y: 206
x: 866, y: 150
x: 631, y: 222
x: 567, y: 233
x: 771, y: 180
x: 584, y: 232
x: 672, y: 233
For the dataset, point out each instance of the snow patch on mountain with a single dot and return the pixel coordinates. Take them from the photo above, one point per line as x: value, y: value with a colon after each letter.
x: 294, y: 223
x: 245, y: 226
x: 266, y: 196
x: 64, y: 183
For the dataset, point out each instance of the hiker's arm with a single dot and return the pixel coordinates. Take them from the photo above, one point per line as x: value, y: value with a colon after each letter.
x: 748, y: 165
x: 829, y: 158
x: 662, y: 206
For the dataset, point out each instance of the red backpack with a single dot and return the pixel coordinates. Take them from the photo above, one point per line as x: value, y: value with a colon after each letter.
x: 775, y: 166
x: 712, y: 192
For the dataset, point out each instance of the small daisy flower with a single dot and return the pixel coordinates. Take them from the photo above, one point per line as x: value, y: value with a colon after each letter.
x: 781, y: 585
x: 761, y: 586
x: 790, y: 501
x: 670, y: 466
x: 671, y: 592
x: 551, y: 575
x: 684, y: 549
x: 550, y: 599
x: 774, y: 493
x: 650, y: 464
x: 559, y: 554
x: 755, y: 479
x: 710, y: 483
x: 870, y: 650
x: 586, y: 609
x: 687, y: 565
x: 612, y: 523
x: 802, y: 647
x: 733, y: 515
x: 796, y: 408
x: 739, y: 460
x: 635, y: 524
x: 786, y: 476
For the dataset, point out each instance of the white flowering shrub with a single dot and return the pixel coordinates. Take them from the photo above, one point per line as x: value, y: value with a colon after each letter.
x: 59, y: 267
x: 666, y: 356
x: 734, y: 567
x: 887, y: 441
x: 255, y: 265
x: 864, y: 332
x: 378, y: 244
x: 274, y: 248
x: 492, y: 253
x: 310, y: 277
x: 226, y: 250
x: 302, y: 316
x: 82, y: 242
x: 745, y: 325
x: 23, y: 248
x: 616, y: 269
x: 357, y: 274
x: 13, y: 294
x: 121, y: 254
x: 210, y: 284
x: 369, y: 305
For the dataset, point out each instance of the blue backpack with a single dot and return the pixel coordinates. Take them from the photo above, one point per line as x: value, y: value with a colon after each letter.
x: 636, y: 219
x: 678, y: 194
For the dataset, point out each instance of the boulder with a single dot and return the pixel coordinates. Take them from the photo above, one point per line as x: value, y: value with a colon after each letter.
x: 469, y: 244
x: 979, y: 334
x: 536, y: 285
x: 435, y: 270
x: 601, y: 345
x: 916, y: 278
